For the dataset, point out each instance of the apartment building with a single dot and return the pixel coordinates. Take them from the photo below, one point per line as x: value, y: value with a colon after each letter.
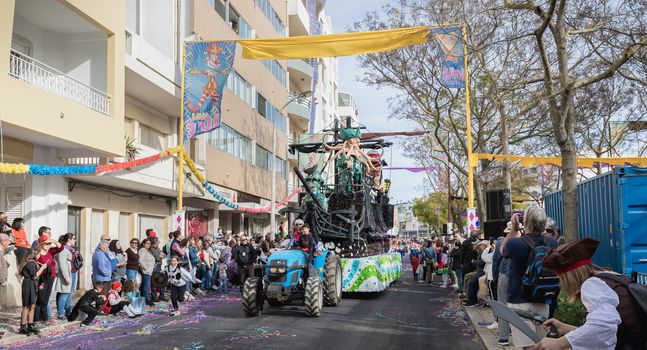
x: 61, y: 95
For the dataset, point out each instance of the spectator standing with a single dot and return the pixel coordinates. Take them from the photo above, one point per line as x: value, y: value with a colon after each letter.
x: 429, y: 255
x: 244, y: 255
x: 518, y: 250
x: 206, y: 265
x: 42, y: 231
x: 46, y: 256
x: 414, y: 257
x: 20, y: 237
x: 119, y: 273
x: 101, y: 266
x: 500, y: 268
x: 4, y: 268
x: 77, y: 263
x: 63, y: 286
x: 31, y: 271
x: 147, y: 265
x: 222, y: 276
x: 455, y: 265
x: 159, y: 257
x: 132, y: 264
x: 214, y: 255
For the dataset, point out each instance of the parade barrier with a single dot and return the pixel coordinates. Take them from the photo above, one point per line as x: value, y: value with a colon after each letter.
x: 371, y: 274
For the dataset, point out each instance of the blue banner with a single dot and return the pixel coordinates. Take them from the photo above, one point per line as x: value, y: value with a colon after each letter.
x: 206, y: 68
x: 450, y: 42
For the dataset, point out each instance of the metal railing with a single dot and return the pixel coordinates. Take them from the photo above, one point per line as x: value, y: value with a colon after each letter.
x: 45, y: 77
x: 85, y: 161
x: 304, y: 101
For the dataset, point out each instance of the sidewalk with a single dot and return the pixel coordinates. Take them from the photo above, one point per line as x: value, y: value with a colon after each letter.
x: 489, y: 337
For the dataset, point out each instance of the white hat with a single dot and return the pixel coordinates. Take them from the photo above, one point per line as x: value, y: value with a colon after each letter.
x: 298, y: 222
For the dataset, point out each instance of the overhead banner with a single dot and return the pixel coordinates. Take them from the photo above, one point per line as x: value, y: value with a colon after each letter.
x: 333, y: 45
x: 206, y: 67
x: 450, y: 42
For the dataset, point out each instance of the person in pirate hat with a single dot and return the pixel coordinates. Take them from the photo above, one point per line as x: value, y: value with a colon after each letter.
x: 613, y: 319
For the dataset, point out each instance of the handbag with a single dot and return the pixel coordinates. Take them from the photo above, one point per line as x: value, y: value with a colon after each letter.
x: 78, y: 261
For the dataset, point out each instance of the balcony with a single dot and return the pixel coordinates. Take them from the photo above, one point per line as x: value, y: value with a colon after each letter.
x: 298, y: 18
x: 301, y: 72
x: 39, y: 74
x: 299, y: 108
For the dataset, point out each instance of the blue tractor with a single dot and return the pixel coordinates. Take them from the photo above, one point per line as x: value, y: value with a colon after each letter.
x: 288, y: 279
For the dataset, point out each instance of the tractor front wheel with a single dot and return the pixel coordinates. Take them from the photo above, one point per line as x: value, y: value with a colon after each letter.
x: 332, y: 280
x: 253, y: 297
x: 314, y: 297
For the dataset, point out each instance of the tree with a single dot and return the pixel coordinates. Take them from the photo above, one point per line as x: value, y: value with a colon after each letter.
x: 579, y: 44
x: 432, y: 210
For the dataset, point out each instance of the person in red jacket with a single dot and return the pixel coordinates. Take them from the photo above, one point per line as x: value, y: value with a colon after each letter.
x: 47, y: 248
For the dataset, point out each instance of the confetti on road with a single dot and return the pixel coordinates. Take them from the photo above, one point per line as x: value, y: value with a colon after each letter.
x: 455, y: 313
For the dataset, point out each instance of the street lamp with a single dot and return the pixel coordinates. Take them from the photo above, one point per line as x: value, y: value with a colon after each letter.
x: 304, y: 94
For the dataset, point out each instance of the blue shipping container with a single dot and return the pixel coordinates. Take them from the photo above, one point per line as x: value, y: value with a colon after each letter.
x: 612, y: 208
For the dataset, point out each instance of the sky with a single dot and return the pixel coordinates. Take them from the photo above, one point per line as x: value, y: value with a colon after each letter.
x: 372, y: 103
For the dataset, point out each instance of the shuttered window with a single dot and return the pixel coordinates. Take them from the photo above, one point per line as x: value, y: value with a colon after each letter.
x: 13, y: 202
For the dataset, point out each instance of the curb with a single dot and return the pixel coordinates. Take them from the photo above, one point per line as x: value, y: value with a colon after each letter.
x: 488, y: 337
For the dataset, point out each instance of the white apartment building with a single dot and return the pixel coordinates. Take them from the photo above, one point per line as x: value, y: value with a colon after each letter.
x: 408, y: 224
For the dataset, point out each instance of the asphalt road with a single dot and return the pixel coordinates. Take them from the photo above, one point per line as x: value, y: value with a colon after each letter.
x: 408, y: 315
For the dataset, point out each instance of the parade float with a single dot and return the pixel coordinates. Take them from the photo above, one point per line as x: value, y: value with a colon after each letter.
x: 345, y: 201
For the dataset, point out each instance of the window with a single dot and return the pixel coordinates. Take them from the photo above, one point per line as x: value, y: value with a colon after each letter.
x: 261, y: 104
x: 271, y: 113
x: 263, y: 158
x: 272, y: 16
x: 13, y: 202
x: 240, y: 87
x: 276, y: 69
x: 124, y: 227
x: 230, y: 141
x: 233, y: 18
x: 152, y: 138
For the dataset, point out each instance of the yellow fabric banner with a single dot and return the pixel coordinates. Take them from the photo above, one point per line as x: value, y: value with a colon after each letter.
x: 557, y: 161
x: 333, y: 45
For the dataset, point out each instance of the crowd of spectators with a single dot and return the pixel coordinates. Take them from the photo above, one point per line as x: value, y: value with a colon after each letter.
x: 123, y: 280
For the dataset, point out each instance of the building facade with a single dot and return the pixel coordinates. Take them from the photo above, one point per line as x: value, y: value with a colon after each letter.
x: 408, y: 224
x: 92, y: 83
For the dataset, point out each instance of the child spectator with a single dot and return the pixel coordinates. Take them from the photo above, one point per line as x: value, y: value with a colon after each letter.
x: 137, y: 302
x: 118, y: 303
x: 222, y: 276
x: 30, y: 270
x: 177, y: 283
x: 85, y: 304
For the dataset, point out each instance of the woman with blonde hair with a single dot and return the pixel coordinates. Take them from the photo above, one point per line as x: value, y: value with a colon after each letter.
x: 613, y: 317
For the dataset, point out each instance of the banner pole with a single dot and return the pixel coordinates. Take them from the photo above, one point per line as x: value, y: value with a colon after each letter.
x: 180, y: 175
x: 468, y: 125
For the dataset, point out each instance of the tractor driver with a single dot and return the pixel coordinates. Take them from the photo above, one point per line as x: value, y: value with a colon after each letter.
x: 308, y: 245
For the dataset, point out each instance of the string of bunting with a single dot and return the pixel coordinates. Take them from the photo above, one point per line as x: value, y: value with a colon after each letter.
x: 557, y: 161
x: 207, y: 186
x: 91, y: 169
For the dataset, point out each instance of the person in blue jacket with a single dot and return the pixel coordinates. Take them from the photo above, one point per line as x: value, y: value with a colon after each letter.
x: 102, y: 266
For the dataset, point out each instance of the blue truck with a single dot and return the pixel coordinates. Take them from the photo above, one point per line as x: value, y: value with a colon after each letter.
x: 612, y: 208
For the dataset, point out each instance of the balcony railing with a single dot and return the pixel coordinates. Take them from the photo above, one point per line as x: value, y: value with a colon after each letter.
x: 45, y: 77
x: 304, y: 101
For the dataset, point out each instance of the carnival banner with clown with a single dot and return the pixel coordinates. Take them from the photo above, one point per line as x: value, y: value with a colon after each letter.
x: 450, y: 42
x: 206, y: 68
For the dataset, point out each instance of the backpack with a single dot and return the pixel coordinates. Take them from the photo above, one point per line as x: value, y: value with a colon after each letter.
x: 78, y: 262
x: 631, y: 332
x: 539, y: 284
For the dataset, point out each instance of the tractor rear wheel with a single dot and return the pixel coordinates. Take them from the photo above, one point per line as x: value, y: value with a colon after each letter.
x: 332, y: 280
x: 252, y: 297
x: 314, y: 297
